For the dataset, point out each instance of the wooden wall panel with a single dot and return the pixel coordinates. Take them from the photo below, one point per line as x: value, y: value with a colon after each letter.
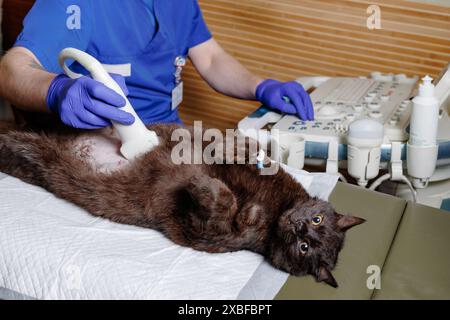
x: 285, y: 39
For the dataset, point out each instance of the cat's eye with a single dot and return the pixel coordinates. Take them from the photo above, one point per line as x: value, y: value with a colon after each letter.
x: 317, y: 219
x: 304, y: 247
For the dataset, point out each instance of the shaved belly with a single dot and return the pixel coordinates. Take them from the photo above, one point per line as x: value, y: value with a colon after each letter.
x: 101, y: 149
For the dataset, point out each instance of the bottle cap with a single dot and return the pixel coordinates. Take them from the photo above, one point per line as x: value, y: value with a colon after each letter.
x: 426, y: 88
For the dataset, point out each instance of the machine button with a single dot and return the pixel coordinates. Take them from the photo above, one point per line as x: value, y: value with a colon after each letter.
x: 368, y: 98
x: 375, y: 114
x: 374, y: 106
x: 400, y: 77
x: 327, y: 111
x: 372, y: 94
x: 350, y: 117
x: 358, y: 107
x: 405, y: 103
x: 385, y: 97
x: 393, y: 122
x: 375, y: 75
x: 291, y: 128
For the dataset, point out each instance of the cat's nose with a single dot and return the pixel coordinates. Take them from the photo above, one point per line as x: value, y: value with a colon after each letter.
x: 292, y: 220
x: 301, y: 228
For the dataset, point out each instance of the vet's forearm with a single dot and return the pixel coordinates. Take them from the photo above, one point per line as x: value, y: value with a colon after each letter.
x: 223, y: 72
x: 23, y: 81
x: 231, y: 78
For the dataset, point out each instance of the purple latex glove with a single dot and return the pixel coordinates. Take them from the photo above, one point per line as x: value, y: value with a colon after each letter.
x: 87, y: 104
x: 288, y: 97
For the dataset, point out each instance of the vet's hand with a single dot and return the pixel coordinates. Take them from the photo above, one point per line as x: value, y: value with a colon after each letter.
x: 87, y: 104
x: 273, y: 94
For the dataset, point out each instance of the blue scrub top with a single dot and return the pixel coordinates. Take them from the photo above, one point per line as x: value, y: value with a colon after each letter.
x: 148, y: 34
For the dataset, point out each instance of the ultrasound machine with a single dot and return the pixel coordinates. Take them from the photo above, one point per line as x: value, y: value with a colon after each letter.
x: 367, y: 125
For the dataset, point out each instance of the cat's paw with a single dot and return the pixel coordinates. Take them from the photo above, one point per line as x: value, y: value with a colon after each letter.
x: 215, y: 206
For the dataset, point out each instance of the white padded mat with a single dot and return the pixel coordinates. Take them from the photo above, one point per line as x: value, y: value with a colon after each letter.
x: 51, y: 249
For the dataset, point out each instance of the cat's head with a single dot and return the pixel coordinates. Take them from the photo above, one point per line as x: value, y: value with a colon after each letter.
x: 308, y: 238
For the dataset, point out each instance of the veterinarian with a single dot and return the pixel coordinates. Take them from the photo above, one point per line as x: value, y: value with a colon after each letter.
x: 147, y: 42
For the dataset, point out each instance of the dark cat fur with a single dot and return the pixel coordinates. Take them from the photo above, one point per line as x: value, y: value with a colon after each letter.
x: 213, y: 208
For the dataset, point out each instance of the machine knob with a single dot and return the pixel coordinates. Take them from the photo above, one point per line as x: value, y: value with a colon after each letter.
x: 327, y: 111
x: 358, y: 107
x: 375, y: 114
x: 400, y: 77
x: 385, y: 97
x: 378, y: 76
x: 368, y: 98
x: 374, y: 106
x: 389, y: 77
x: 375, y: 75
x: 394, y: 120
x: 405, y: 103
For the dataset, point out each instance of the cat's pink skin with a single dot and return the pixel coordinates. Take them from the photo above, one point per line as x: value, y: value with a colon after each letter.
x: 102, y: 151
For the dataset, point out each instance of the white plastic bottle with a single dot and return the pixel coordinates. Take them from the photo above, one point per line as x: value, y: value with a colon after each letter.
x: 425, y: 116
x: 422, y: 148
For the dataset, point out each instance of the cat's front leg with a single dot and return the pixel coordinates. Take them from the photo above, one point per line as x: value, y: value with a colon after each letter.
x: 214, y: 206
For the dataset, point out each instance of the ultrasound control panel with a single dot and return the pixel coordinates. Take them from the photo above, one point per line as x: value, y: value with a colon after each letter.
x: 340, y: 101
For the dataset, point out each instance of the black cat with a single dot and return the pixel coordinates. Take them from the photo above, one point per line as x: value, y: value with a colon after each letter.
x: 213, y: 208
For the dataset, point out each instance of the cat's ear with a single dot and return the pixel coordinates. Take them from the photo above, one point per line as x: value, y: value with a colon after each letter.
x: 346, y: 222
x: 324, y: 275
